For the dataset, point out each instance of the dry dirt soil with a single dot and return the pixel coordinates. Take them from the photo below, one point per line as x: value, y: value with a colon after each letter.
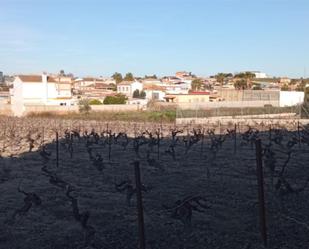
x: 227, y: 182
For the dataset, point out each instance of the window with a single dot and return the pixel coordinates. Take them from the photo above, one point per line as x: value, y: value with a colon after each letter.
x: 155, y: 95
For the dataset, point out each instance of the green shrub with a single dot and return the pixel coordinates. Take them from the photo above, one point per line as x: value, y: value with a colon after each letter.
x: 139, y: 95
x: 165, y: 116
x: 84, y: 106
x: 95, y: 102
x: 136, y: 94
x: 114, y: 100
x: 142, y: 95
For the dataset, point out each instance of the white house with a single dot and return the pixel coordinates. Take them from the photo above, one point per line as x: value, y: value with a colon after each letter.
x: 171, y: 79
x: 39, y: 90
x: 154, y: 92
x: 86, y: 83
x: 177, y: 88
x: 128, y: 87
x: 258, y: 74
x: 151, y: 81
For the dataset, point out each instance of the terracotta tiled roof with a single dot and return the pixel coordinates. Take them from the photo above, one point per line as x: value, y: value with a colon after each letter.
x: 93, y: 79
x: 63, y: 98
x: 154, y: 87
x: 169, y: 96
x: 35, y: 78
x: 102, y: 85
x: 151, y: 79
x: 88, y: 79
x: 125, y: 83
x: 199, y: 93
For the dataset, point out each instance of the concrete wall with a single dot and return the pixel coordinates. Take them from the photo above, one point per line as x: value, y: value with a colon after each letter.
x: 249, y: 95
x: 284, y: 98
x: 66, y: 109
x: 116, y: 108
x: 49, y: 108
x: 290, y: 98
x: 209, y: 105
x: 230, y: 94
x: 17, y: 99
x: 191, y: 98
x: 263, y: 95
x: 281, y: 119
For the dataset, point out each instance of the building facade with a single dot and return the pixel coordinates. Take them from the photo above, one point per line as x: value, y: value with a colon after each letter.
x: 193, y: 97
x: 128, y: 87
x: 39, y: 90
x: 154, y: 92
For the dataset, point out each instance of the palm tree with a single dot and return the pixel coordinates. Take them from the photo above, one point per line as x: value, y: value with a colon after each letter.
x: 197, y: 84
x: 247, y: 76
x: 220, y: 77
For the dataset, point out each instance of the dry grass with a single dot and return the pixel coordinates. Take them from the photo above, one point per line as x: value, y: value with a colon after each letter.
x: 167, y: 116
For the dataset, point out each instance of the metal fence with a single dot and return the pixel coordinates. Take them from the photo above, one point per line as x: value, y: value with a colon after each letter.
x: 233, y: 110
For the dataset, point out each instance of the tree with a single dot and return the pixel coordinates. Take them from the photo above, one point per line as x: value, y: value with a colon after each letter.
x: 61, y: 73
x: 139, y: 95
x: 247, y: 76
x: 84, y: 106
x: 117, y: 77
x: 301, y: 86
x: 142, y: 95
x: 221, y: 77
x: 240, y: 84
x: 151, y: 76
x: 285, y: 87
x: 129, y: 77
x: 293, y: 82
x: 115, y: 100
x: 112, y: 85
x: 136, y: 94
x: 197, y: 84
x: 95, y: 102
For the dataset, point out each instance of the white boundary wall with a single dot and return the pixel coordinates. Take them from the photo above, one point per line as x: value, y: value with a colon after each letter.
x: 289, y: 98
x: 281, y: 119
x: 236, y: 104
x: 25, y: 109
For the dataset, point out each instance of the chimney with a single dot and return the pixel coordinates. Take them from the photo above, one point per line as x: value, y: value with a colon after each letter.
x: 45, y: 87
x: 44, y: 77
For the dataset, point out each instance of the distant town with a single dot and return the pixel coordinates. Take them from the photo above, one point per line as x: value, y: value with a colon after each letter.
x: 21, y: 93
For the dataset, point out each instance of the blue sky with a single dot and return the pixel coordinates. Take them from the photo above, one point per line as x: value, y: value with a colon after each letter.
x: 154, y: 36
